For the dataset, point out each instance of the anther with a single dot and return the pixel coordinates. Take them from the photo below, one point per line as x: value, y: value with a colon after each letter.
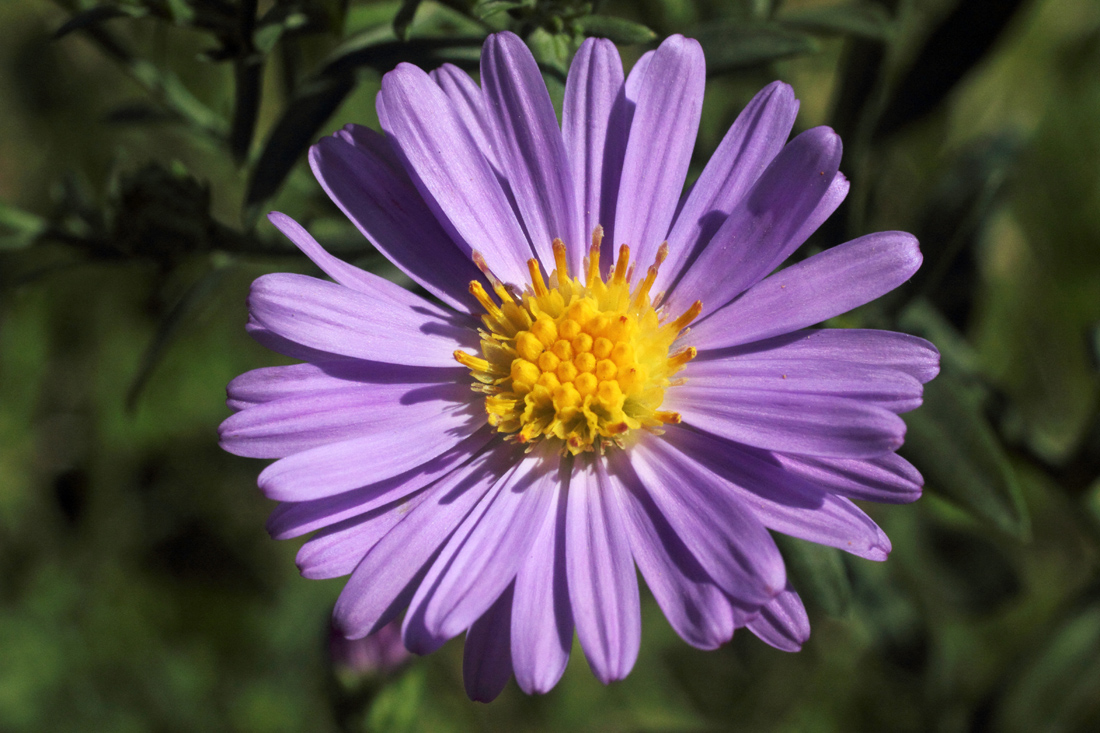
x: 622, y: 264
x: 681, y: 357
x: 559, y: 259
x: 498, y: 286
x: 478, y: 291
x: 689, y: 315
x: 537, y: 282
x: 594, y: 257
x: 470, y: 361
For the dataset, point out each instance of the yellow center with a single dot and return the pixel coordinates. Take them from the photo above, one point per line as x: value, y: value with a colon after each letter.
x: 580, y: 362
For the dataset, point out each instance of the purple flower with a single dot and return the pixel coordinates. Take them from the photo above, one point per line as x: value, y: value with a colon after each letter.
x: 497, y: 461
x: 377, y: 654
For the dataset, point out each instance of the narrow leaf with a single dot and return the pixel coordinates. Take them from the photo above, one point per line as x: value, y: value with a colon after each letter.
x: 619, y: 30
x: 818, y: 573
x: 862, y: 20
x: 404, y: 18
x: 731, y: 46
x: 300, y: 123
x: 952, y: 444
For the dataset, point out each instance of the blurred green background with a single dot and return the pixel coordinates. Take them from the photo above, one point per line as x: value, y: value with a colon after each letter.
x: 141, y: 140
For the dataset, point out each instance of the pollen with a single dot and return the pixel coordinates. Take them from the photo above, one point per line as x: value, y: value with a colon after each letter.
x: 582, y: 362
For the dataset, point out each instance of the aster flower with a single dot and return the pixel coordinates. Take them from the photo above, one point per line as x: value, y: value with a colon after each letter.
x: 498, y: 460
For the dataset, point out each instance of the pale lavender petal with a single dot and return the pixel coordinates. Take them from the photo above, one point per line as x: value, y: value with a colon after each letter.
x: 783, y: 623
x: 763, y: 228
x: 814, y: 424
x: 728, y: 541
x: 295, y: 518
x: 529, y: 143
x: 888, y: 479
x: 486, y: 659
x: 388, y: 324
x: 378, y: 197
x: 754, y: 139
x: 595, y: 126
x: 469, y: 105
x: 411, y: 439
x: 336, y: 550
x: 542, y: 620
x: 865, y: 347
x: 781, y: 501
x: 483, y: 557
x: 695, y: 607
x: 388, y: 575
x: 274, y: 342
x: 603, y: 586
x: 295, y: 424
x: 452, y: 175
x: 633, y: 84
x: 662, y: 135
x: 885, y: 386
x: 825, y: 285
x: 268, y: 384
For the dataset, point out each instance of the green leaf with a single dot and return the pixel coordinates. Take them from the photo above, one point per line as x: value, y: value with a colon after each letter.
x: 618, y: 30
x: 18, y: 229
x: 296, y: 129
x: 487, y: 8
x: 169, y: 328
x: 950, y: 441
x: 818, y: 573
x: 729, y: 46
x: 97, y: 15
x: 863, y: 20
x: 397, y: 706
x: 1057, y: 691
x: 404, y: 17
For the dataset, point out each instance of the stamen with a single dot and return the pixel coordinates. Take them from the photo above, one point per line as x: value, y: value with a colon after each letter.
x: 470, y: 361
x: 619, y: 276
x: 498, y: 286
x: 478, y: 291
x: 641, y: 296
x: 594, y: 257
x: 681, y: 357
x: 689, y: 315
x: 668, y: 418
x: 537, y: 282
x: 559, y: 259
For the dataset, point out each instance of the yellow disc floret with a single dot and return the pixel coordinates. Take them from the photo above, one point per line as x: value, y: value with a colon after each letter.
x: 579, y: 362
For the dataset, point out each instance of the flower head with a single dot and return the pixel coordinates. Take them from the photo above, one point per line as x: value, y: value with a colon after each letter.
x: 499, y: 460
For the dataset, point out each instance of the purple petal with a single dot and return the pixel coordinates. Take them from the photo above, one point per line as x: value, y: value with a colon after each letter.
x: 662, y: 136
x: 469, y: 105
x: 728, y: 541
x: 603, y: 586
x: 486, y: 660
x: 542, y: 620
x: 595, y: 126
x: 888, y: 479
x: 887, y: 387
x: 695, y: 607
x: 813, y: 424
x: 274, y: 342
x: 783, y: 623
x: 857, y: 346
x: 763, y: 229
x: 347, y: 412
x: 387, y: 576
x: 296, y: 518
x: 377, y: 195
x: 454, y: 178
x: 268, y: 384
x: 754, y: 139
x: 398, y: 443
x: 388, y: 324
x: 484, y: 555
x: 825, y: 285
x: 530, y: 145
x: 781, y: 501
x: 336, y: 550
